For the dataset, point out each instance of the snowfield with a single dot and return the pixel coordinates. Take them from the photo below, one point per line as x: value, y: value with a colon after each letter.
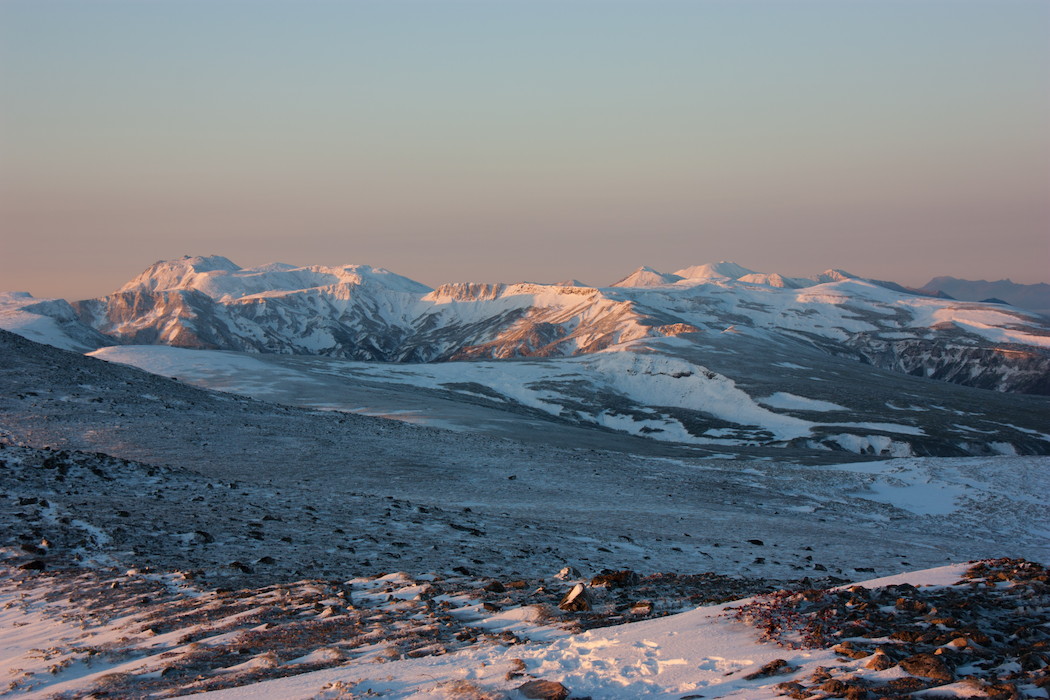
x: 655, y: 390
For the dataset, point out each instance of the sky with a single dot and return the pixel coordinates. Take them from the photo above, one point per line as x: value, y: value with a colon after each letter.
x: 510, y: 140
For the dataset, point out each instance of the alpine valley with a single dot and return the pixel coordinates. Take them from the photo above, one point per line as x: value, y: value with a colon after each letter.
x: 336, y: 482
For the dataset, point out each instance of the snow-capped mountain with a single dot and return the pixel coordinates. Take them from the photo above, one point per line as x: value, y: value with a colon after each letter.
x: 646, y: 276
x: 365, y: 313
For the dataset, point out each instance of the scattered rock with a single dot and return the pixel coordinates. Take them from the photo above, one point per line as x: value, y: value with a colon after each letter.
x: 792, y: 689
x: 615, y: 579
x: 576, y: 600
x: 517, y: 669
x: 544, y: 690
x: 835, y: 687
x: 847, y: 649
x: 775, y: 667
x: 642, y: 607
x: 928, y: 666
x: 569, y: 572
x: 879, y: 661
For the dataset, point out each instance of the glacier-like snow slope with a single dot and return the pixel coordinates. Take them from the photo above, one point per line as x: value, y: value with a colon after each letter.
x: 658, y: 390
x: 364, y: 313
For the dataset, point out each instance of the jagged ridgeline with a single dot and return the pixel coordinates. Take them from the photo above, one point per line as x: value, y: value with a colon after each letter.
x: 366, y: 313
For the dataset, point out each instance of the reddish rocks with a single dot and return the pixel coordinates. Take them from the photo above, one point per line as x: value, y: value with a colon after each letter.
x: 995, y: 623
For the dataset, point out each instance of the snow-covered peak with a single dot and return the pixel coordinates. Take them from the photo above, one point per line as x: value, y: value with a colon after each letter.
x: 182, y: 273
x: 219, y: 278
x: 646, y: 276
x: 714, y: 271
x: 776, y: 280
x: 835, y: 276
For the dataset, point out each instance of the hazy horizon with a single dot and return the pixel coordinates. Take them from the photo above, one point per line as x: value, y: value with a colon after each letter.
x: 465, y: 140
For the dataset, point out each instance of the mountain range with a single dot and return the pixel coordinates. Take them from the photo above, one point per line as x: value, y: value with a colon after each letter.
x: 366, y: 313
x: 714, y: 354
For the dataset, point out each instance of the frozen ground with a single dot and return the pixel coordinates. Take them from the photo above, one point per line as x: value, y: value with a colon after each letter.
x: 536, y: 508
x: 110, y: 467
x: 140, y: 634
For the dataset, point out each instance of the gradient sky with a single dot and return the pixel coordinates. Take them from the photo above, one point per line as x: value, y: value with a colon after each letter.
x: 524, y: 140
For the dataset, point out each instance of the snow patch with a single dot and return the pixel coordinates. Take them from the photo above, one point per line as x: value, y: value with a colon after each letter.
x: 782, y: 399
